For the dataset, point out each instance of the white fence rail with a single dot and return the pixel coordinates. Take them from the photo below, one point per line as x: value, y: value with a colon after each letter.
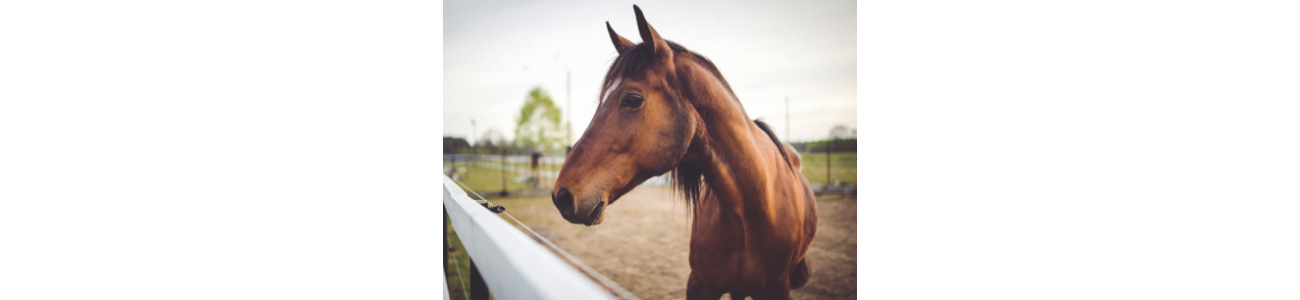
x: 513, y: 265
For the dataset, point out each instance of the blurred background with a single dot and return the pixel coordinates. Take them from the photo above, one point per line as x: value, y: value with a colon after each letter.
x: 522, y: 77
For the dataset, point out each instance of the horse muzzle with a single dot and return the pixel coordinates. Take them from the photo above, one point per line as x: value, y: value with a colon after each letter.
x: 587, y: 211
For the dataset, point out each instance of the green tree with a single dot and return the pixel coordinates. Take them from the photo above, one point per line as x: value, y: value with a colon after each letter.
x: 538, y: 123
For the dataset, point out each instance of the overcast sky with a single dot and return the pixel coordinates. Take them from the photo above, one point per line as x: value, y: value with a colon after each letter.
x: 496, y: 51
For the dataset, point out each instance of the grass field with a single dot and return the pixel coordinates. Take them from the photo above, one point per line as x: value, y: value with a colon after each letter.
x: 814, y: 168
x: 845, y: 165
x: 486, y: 180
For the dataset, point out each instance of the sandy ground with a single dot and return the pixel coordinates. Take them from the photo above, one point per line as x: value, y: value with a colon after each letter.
x: 644, y: 241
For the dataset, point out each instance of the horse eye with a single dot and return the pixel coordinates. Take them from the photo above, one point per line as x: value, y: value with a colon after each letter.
x: 633, y: 101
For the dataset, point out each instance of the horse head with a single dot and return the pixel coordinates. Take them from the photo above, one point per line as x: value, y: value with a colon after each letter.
x: 642, y: 128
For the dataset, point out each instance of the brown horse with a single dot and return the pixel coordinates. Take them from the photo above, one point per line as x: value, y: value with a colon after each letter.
x: 664, y: 108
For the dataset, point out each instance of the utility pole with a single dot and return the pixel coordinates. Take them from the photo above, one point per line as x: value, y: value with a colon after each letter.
x: 828, y: 163
x: 568, y: 108
x: 473, y: 130
x: 787, y: 119
x: 503, y: 173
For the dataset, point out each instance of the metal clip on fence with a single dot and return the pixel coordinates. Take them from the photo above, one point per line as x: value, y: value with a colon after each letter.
x: 493, y: 208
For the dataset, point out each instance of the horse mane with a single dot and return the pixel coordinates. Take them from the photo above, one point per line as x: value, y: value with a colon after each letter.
x: 784, y: 156
x: 687, y: 178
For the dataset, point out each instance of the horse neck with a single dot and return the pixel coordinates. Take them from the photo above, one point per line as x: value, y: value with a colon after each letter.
x: 736, y: 158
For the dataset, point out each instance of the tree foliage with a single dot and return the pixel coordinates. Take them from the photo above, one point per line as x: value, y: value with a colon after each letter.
x: 452, y: 145
x: 538, y: 123
x: 838, y: 145
x: 842, y: 139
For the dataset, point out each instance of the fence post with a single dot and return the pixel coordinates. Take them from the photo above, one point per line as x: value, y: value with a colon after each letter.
x: 478, y: 290
x: 503, y: 174
x: 445, y: 246
x: 828, y: 165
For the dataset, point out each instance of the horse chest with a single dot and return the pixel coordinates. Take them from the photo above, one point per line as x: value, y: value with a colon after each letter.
x: 741, y: 256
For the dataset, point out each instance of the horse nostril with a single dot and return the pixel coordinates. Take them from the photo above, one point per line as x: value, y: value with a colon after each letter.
x: 563, y: 200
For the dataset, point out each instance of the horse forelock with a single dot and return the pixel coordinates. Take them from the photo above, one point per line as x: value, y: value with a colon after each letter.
x: 637, y: 58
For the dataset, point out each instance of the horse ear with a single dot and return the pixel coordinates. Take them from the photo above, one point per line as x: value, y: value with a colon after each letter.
x: 620, y: 43
x: 651, y: 37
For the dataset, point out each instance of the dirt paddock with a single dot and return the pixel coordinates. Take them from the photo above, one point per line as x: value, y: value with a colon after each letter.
x: 644, y: 241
